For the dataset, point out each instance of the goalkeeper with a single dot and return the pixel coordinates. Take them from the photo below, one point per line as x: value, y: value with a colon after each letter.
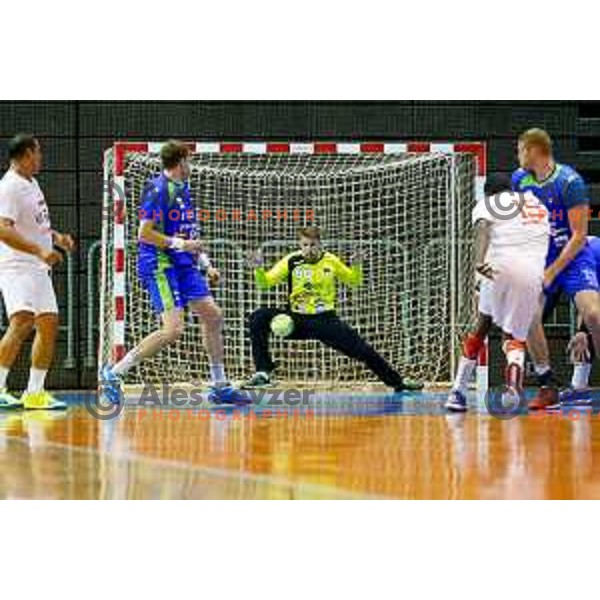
x: 311, y: 275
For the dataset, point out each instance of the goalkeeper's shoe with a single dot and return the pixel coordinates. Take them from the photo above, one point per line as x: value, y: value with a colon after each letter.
x: 457, y: 402
x: 227, y: 394
x: 260, y: 379
x: 9, y: 401
x: 41, y: 401
x: 409, y: 385
x: 109, y: 386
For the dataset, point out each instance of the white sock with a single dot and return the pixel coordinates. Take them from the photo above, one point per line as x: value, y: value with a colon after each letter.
x: 463, y: 374
x: 217, y: 374
x: 37, y: 377
x: 127, y: 362
x: 3, y: 377
x: 581, y: 376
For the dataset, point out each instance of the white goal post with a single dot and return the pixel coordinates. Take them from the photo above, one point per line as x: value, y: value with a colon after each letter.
x: 407, y: 205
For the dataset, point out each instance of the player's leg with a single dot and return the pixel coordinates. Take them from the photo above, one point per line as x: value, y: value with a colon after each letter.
x: 517, y: 308
x: 588, y: 306
x: 259, y: 325
x: 537, y: 344
x: 20, y: 326
x: 195, y: 294
x: 170, y: 331
x: 336, y: 334
x: 472, y: 345
x: 211, y: 317
x: 42, y: 355
x: 582, y: 355
x: 33, y: 294
x: 165, y: 299
x: 514, y: 352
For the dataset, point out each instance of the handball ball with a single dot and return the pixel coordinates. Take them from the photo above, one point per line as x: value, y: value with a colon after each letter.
x: 282, y: 325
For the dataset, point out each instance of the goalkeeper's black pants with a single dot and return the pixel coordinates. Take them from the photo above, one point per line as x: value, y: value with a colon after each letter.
x: 325, y: 327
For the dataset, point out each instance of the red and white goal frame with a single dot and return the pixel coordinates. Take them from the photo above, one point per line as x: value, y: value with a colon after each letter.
x: 116, y: 194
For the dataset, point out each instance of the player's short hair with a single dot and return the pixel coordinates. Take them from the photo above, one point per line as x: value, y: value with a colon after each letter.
x: 312, y: 233
x: 496, y: 183
x: 172, y: 153
x: 19, y: 144
x: 538, y: 138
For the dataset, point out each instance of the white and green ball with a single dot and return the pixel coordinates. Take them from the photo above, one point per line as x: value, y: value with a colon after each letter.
x: 282, y: 325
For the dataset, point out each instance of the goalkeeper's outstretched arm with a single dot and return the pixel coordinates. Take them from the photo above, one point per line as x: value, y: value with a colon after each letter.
x: 353, y: 275
x: 277, y: 274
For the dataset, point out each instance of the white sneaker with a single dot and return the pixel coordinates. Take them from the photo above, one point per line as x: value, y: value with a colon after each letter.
x: 8, y: 400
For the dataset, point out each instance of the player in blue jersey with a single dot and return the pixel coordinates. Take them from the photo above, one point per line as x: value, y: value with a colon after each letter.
x: 581, y: 350
x: 570, y: 265
x: 170, y: 260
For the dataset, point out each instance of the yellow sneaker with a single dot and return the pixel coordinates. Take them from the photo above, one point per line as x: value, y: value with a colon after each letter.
x: 8, y: 400
x: 41, y: 401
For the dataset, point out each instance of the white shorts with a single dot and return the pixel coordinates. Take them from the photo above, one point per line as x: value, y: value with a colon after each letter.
x: 30, y: 291
x: 513, y: 298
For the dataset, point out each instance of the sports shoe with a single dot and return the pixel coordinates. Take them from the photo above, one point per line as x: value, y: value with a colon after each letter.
x: 569, y: 396
x: 228, y: 395
x: 546, y: 399
x: 457, y: 402
x: 109, y: 386
x: 41, y: 401
x: 409, y: 385
x: 260, y: 379
x: 8, y: 401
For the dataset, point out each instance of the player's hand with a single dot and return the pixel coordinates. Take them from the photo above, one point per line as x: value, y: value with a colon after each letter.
x: 193, y: 246
x: 255, y: 259
x: 64, y: 241
x: 50, y: 257
x: 213, y: 276
x: 486, y: 270
x: 578, y: 348
x: 358, y: 257
x: 549, y: 277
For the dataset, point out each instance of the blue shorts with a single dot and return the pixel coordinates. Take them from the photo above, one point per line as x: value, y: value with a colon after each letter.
x: 174, y: 287
x: 579, y: 276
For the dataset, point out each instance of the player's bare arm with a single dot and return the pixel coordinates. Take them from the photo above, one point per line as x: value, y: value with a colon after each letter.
x: 11, y: 237
x: 482, y: 243
x: 63, y: 240
x: 578, y: 221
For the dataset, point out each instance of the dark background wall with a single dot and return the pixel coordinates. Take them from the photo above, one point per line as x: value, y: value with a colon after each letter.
x: 75, y: 134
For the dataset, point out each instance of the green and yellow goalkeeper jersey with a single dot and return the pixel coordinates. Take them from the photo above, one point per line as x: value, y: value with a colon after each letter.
x: 311, y: 286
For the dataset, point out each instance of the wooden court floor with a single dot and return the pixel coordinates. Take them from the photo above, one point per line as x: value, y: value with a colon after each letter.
x: 347, y: 449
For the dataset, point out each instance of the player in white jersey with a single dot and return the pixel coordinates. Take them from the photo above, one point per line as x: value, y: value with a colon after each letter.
x: 26, y: 256
x: 511, y: 244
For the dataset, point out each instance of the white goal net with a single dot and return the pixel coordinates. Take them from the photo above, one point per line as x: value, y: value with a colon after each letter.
x: 409, y: 213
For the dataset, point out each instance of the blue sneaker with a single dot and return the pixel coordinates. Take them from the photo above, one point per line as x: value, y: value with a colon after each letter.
x: 457, y: 402
x: 229, y: 395
x: 571, y: 397
x: 109, y: 386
